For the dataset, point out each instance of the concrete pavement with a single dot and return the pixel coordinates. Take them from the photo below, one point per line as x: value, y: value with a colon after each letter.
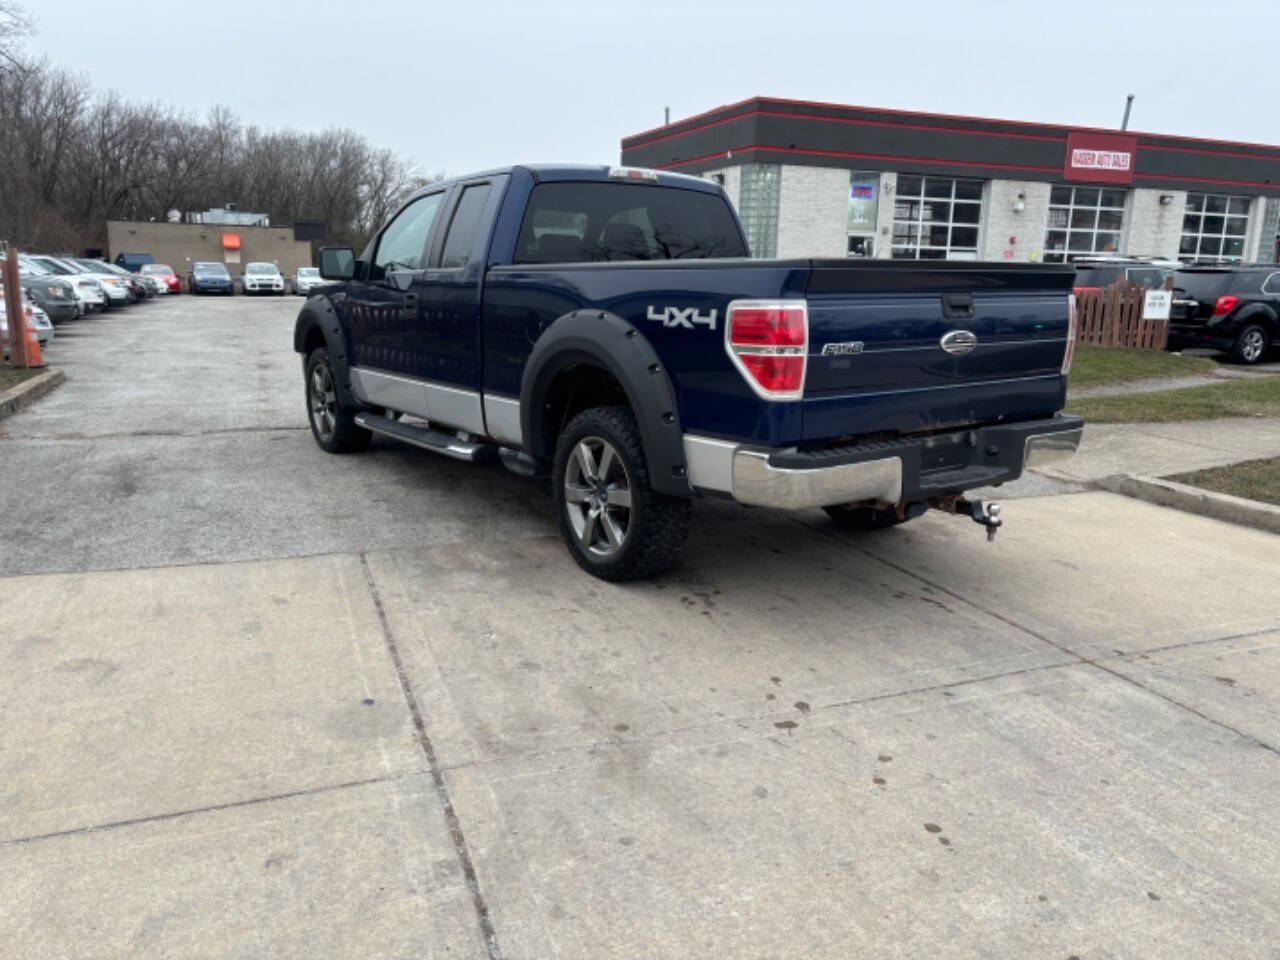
x: 436, y: 737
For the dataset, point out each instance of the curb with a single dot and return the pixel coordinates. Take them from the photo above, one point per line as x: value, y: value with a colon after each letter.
x: 29, y: 391
x: 1205, y: 503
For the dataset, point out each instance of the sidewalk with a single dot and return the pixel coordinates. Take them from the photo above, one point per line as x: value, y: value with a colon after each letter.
x: 1161, y: 449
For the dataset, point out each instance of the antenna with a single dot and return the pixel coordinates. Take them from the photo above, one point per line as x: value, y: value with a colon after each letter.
x: 666, y: 116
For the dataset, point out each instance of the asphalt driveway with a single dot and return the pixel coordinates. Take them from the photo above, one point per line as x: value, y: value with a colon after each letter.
x: 258, y: 701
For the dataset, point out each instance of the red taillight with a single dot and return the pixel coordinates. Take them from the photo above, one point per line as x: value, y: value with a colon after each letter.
x: 1072, y: 332
x: 768, y: 342
x: 1226, y: 303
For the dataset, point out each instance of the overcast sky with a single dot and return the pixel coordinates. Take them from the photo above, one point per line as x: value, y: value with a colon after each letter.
x: 463, y: 86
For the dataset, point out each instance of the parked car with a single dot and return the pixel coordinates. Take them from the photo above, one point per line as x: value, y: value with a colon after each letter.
x: 1096, y: 274
x: 115, y: 288
x: 1230, y: 307
x: 89, y: 292
x: 209, y: 277
x: 55, y: 296
x: 164, y: 274
x: 145, y: 287
x: 307, y: 279
x: 262, y: 278
x: 116, y: 278
x: 536, y: 315
x: 36, y: 318
x: 133, y: 262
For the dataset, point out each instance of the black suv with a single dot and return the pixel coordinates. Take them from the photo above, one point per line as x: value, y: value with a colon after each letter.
x: 1233, y: 307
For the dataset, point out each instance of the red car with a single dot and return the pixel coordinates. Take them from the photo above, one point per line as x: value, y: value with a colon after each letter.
x: 164, y: 273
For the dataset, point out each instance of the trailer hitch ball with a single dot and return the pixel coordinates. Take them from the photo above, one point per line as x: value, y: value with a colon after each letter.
x: 988, y: 515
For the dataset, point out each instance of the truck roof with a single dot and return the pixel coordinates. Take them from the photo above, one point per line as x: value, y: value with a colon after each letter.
x: 551, y: 172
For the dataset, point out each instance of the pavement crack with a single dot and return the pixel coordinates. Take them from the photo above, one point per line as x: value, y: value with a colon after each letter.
x: 193, y: 811
x: 460, y: 846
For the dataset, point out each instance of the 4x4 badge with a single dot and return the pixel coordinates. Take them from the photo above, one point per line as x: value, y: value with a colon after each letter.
x: 687, y: 318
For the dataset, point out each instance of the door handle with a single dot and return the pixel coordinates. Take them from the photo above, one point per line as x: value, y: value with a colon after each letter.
x: 957, y: 306
x: 409, y: 306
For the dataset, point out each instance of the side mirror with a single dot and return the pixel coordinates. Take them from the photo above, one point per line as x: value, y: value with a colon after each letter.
x: 337, y: 263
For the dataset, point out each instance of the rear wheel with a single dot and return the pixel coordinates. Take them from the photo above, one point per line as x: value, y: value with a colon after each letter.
x: 1251, y: 345
x: 332, y: 425
x: 615, y: 525
x: 864, y: 518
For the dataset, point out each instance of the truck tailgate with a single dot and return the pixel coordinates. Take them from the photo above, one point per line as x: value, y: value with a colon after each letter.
x: 877, y: 364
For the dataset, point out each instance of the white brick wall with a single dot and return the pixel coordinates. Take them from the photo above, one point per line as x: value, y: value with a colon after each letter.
x: 1152, y: 230
x: 1000, y: 221
x: 732, y: 183
x: 884, y: 216
x: 812, y: 211
x: 1253, y: 241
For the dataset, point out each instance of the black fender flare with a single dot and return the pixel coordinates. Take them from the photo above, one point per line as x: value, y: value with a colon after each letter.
x: 318, y: 314
x: 605, y: 340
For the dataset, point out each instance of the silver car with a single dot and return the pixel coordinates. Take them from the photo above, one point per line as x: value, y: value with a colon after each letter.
x: 38, y: 319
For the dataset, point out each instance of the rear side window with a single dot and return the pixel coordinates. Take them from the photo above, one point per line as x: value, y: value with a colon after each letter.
x: 464, y: 226
x: 1096, y: 276
x: 1273, y: 284
x: 590, y: 222
x: 1201, y: 284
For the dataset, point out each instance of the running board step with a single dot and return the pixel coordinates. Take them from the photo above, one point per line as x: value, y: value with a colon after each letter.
x: 424, y: 437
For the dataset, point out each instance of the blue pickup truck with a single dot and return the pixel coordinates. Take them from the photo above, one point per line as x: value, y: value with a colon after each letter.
x: 605, y: 327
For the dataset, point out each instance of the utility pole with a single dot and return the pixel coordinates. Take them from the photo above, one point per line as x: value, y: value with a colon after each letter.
x: 1128, y: 105
x: 13, y: 309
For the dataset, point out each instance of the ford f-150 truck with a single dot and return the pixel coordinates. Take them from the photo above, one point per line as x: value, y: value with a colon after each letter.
x: 606, y: 328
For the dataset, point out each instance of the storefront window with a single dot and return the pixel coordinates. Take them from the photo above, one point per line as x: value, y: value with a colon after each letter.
x: 936, y: 218
x: 1214, y: 227
x: 1083, y: 221
x: 758, y: 207
x: 864, y: 207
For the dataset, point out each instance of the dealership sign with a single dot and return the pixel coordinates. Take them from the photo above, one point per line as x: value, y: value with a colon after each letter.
x: 1100, y: 157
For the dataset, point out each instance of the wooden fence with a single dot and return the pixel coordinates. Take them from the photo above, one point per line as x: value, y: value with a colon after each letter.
x: 1112, y: 317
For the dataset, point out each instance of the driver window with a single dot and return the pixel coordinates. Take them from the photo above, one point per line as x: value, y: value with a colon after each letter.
x: 404, y: 243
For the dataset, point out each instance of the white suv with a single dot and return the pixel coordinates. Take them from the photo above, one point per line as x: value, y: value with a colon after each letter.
x: 262, y: 278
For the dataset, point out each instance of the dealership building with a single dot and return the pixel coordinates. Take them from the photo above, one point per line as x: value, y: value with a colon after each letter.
x: 819, y: 179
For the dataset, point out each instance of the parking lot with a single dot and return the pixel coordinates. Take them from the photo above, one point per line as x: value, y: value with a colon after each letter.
x: 264, y: 701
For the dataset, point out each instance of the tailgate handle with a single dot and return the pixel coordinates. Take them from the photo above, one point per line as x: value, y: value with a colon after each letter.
x: 957, y: 306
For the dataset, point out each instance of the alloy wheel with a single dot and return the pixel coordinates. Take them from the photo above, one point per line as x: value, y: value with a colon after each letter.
x: 324, y: 402
x: 597, y: 492
x: 1253, y: 345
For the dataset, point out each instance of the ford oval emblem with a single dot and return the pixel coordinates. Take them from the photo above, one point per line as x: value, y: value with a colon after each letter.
x: 958, y: 341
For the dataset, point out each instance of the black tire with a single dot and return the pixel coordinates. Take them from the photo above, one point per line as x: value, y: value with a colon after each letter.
x: 332, y: 424
x: 607, y: 539
x: 864, y: 518
x: 1251, y: 346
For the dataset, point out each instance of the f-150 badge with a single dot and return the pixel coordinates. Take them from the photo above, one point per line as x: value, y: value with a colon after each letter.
x: 687, y: 318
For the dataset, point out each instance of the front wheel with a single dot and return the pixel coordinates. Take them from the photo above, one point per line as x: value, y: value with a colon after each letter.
x: 332, y: 425
x: 615, y: 525
x: 1251, y: 345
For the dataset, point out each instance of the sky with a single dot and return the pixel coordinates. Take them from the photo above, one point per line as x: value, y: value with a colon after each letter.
x: 464, y: 86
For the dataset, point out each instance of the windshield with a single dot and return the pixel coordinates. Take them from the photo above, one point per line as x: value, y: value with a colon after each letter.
x: 576, y: 222
x: 260, y: 268
x: 93, y: 266
x: 308, y: 272
x: 158, y: 268
x: 55, y: 267
x: 210, y: 269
